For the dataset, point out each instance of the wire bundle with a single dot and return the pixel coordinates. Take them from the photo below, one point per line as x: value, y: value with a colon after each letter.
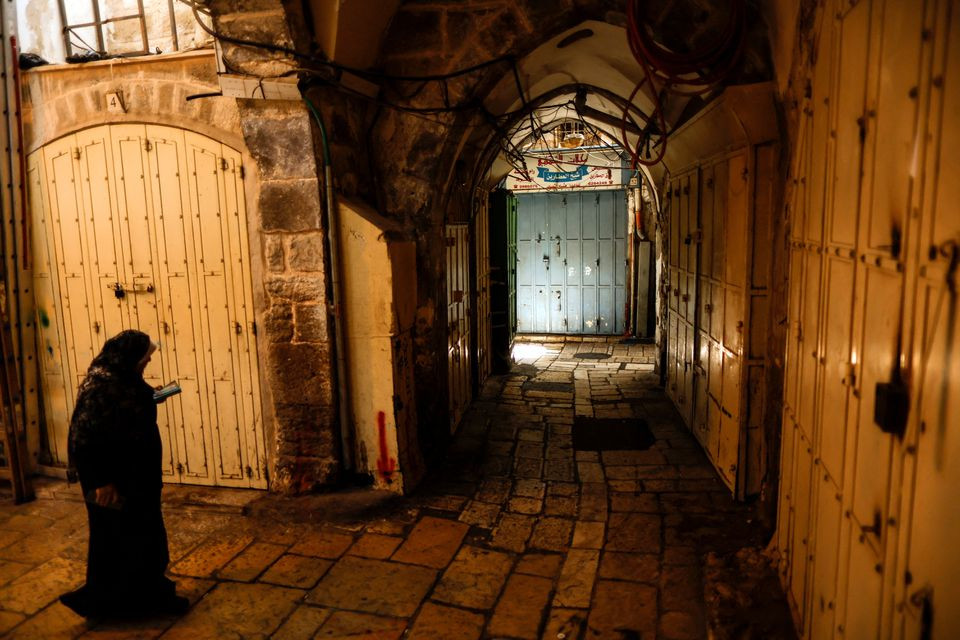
x: 665, y: 71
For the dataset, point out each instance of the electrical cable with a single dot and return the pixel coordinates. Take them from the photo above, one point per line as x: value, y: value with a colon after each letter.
x: 686, y: 74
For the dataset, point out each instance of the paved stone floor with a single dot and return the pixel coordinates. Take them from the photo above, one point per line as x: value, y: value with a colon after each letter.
x: 515, y: 536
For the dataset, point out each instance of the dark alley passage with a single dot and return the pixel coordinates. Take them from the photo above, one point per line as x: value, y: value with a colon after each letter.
x: 515, y: 535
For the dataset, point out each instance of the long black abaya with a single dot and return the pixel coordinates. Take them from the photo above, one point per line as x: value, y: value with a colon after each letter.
x: 114, y: 440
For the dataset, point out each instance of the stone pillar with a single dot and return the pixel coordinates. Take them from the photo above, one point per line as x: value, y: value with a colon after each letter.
x: 295, y: 345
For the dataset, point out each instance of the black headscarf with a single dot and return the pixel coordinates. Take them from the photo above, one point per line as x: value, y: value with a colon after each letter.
x: 121, y: 353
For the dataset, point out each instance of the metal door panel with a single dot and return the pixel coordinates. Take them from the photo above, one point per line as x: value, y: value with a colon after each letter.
x: 809, y: 355
x: 590, y: 309
x: 69, y: 240
x: 606, y: 303
x: 793, y: 353
x: 588, y: 259
x: 733, y: 321
x: 673, y: 222
x: 731, y: 386
x: 728, y: 448
x: 673, y: 298
x: 673, y: 337
x: 573, y: 221
x: 688, y: 353
x: 607, y: 263
x: 784, y: 530
x: 845, y: 189
x: 872, y: 464
x: 820, y: 105
x: 800, y: 538
x: 106, y: 257
x: 682, y: 220
x: 211, y: 214
x: 589, y: 208
x: 572, y: 266
x: 714, y: 414
x: 693, y: 222
x: 680, y: 360
x: 825, y: 555
x: 525, y: 305
x: 706, y: 309
x: 244, y: 336
x: 556, y: 244
x: 557, y: 317
x: 574, y: 310
x: 134, y: 212
x: 935, y: 518
x: 717, y: 293
x: 837, y: 370
x: 187, y: 409
x: 735, y: 223
x: 180, y: 332
x: 541, y: 305
x: 715, y: 377
x: 706, y: 200
x: 943, y: 225
x: 605, y: 207
x: 863, y: 599
x: 894, y: 124
x: 721, y: 178
x: 52, y: 363
x: 619, y: 310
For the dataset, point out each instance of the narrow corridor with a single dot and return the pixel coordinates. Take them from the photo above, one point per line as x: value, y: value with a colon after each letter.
x: 515, y: 535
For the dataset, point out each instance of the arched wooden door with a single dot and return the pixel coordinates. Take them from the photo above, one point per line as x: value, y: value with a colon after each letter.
x: 142, y: 226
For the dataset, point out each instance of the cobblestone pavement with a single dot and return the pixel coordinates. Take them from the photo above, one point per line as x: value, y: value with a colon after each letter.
x: 515, y: 536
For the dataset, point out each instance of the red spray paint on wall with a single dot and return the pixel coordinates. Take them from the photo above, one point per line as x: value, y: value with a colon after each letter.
x: 385, y: 464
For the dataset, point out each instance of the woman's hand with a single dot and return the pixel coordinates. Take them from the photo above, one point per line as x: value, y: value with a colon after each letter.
x: 107, y: 495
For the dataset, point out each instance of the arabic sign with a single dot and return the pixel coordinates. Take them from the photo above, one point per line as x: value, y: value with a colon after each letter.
x: 582, y: 169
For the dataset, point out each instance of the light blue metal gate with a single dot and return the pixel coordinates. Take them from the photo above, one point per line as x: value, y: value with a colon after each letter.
x: 571, y: 262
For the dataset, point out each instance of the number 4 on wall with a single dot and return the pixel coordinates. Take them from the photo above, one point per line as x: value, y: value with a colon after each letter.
x: 115, y: 102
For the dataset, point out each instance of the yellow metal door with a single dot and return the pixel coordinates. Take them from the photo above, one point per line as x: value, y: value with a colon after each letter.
x: 53, y: 365
x: 145, y: 227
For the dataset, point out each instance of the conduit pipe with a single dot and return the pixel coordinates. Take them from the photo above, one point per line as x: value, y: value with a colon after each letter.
x: 343, y: 391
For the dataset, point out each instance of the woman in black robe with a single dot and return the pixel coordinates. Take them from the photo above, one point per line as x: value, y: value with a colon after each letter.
x: 115, y: 448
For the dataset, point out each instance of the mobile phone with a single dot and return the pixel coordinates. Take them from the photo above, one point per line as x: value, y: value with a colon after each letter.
x: 171, y: 389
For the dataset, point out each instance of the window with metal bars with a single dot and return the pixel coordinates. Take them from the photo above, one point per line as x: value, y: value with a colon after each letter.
x: 118, y: 27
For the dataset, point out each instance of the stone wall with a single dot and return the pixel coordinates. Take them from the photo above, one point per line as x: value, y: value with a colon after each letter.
x: 299, y: 359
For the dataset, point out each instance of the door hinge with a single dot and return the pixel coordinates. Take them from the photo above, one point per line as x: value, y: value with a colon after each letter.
x: 249, y: 471
x: 223, y: 164
x: 243, y: 172
x: 253, y: 327
x: 166, y: 327
x: 76, y: 153
x: 147, y: 146
x: 237, y: 327
x: 180, y: 468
